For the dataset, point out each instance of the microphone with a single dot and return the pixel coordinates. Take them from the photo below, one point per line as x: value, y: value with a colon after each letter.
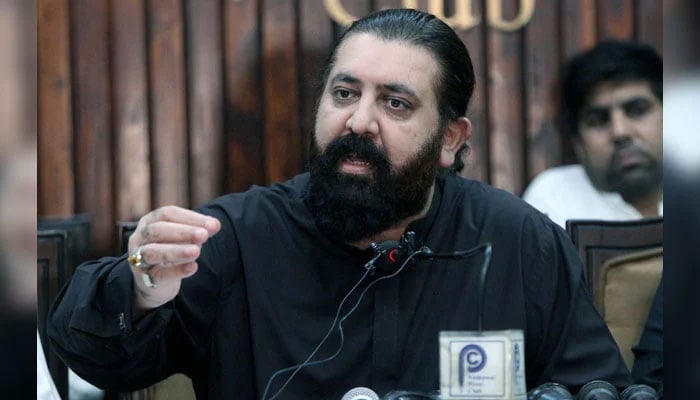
x: 597, y: 390
x: 550, y: 391
x: 360, y: 393
x: 390, y: 255
x: 639, y: 392
x: 411, y: 395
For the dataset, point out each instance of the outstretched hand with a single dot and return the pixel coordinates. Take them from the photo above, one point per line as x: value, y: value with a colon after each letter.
x: 169, y: 240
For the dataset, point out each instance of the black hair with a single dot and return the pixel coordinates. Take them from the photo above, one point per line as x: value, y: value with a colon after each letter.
x: 613, y: 61
x: 455, y: 84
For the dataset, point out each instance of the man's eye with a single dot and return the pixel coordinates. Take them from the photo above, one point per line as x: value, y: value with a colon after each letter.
x: 595, y: 119
x: 343, y: 93
x: 636, y: 108
x: 397, y: 104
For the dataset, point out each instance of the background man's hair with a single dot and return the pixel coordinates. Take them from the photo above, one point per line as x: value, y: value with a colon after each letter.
x: 613, y: 61
x: 455, y: 84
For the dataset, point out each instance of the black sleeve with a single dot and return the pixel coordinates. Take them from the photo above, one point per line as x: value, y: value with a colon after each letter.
x: 574, y: 343
x: 648, y: 354
x: 90, y: 328
x: 90, y: 324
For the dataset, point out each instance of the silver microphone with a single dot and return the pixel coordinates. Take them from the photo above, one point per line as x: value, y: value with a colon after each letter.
x: 597, y: 390
x: 360, y: 393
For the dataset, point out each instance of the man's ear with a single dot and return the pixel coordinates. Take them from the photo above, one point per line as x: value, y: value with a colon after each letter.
x: 456, y: 134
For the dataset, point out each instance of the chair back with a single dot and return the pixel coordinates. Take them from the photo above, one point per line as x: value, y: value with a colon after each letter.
x: 124, y: 230
x: 622, y: 266
x: 52, y: 273
x: 598, y: 241
x: 626, y: 288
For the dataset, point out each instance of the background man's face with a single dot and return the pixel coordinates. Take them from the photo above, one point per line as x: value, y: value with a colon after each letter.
x: 621, y: 138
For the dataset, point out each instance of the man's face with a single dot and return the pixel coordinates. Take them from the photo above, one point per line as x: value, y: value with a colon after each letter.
x: 621, y: 138
x: 381, y: 89
x: 379, y: 137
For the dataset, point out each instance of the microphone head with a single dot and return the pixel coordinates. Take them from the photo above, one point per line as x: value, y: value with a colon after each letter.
x: 597, y: 390
x: 360, y: 393
x: 392, y: 255
x: 550, y: 391
x: 639, y: 392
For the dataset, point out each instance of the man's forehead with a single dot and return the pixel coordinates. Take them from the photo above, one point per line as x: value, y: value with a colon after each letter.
x: 610, y: 93
x: 373, y: 60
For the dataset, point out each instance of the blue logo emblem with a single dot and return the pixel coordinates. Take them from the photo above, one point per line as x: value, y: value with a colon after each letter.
x: 472, y: 358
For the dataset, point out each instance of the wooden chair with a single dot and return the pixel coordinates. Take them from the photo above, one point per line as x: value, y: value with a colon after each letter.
x: 625, y: 291
x: 62, y: 245
x: 52, y: 273
x: 599, y: 241
x: 124, y: 230
x: 77, y: 241
x: 622, y: 264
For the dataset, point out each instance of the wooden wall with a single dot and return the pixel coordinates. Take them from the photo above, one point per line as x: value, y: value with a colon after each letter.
x: 144, y: 103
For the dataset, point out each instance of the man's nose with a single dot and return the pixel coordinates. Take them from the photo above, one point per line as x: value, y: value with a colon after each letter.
x: 364, y: 119
x: 620, y: 125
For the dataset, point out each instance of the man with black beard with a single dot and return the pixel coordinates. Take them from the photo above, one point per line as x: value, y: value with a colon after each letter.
x: 612, y: 100
x: 245, y: 287
x: 350, y: 207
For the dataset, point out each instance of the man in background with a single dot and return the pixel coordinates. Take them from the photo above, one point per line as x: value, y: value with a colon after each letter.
x: 612, y: 99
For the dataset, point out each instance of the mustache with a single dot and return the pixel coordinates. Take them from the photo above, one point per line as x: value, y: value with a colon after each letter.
x: 621, y: 149
x: 358, y: 146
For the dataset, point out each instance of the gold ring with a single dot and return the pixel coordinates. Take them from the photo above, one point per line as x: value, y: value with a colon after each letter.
x: 136, y: 259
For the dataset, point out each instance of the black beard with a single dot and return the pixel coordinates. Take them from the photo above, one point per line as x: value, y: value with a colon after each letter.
x: 349, y: 207
x: 645, y: 180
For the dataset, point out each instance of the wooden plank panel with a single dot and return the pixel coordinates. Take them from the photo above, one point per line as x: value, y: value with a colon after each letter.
x: 279, y: 65
x: 477, y: 159
x: 316, y: 42
x: 541, y: 64
x: 578, y: 33
x: 205, y: 99
x: 243, y: 100
x: 649, y: 23
x: 505, y: 105
x: 56, y: 180
x: 578, y: 26
x: 167, y: 103
x: 615, y: 19
x: 93, y: 135
x: 130, y: 118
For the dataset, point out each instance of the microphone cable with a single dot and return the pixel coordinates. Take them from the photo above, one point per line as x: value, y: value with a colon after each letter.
x: 423, y: 252
x: 296, y: 368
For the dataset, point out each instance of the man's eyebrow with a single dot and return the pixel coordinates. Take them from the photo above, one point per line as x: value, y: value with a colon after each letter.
x: 392, y: 87
x: 595, y: 108
x: 636, y: 99
x: 400, y: 88
x: 621, y: 103
x: 346, y: 78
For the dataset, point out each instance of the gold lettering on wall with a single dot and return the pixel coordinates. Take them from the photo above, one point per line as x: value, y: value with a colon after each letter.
x: 338, y: 13
x: 463, y: 17
x: 494, y: 14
